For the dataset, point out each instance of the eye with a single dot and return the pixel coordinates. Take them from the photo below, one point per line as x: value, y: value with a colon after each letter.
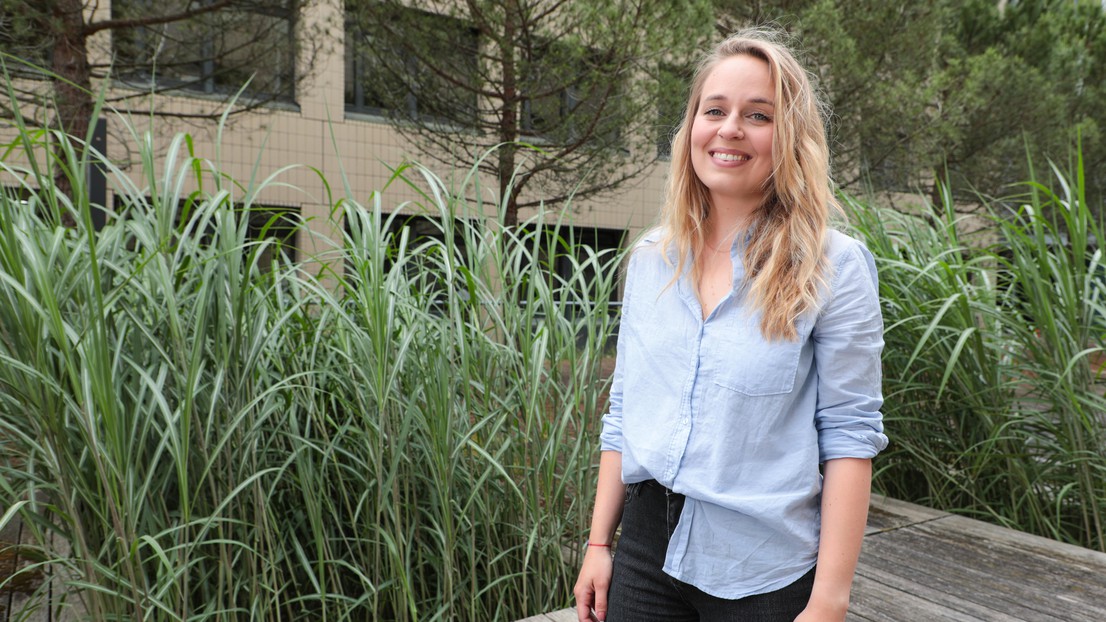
x: 760, y: 116
x: 713, y: 112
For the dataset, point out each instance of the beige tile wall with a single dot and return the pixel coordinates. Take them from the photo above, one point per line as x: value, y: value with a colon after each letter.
x: 317, y: 133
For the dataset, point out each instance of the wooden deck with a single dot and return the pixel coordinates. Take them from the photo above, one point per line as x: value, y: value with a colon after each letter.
x: 922, y: 565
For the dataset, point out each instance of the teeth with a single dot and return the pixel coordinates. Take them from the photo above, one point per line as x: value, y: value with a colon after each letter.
x: 731, y: 157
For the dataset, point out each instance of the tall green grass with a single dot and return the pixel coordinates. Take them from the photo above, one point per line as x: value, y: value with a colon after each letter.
x: 200, y: 428
x: 194, y: 426
x: 993, y: 384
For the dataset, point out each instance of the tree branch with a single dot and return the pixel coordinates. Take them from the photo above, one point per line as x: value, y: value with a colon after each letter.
x: 154, y: 20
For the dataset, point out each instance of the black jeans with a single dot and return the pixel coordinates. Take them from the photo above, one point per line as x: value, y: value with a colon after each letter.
x: 641, y: 592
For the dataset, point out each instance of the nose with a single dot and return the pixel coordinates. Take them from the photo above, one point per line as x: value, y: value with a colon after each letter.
x: 731, y: 128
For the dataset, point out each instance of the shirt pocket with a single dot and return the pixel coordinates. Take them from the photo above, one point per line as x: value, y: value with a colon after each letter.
x: 754, y: 367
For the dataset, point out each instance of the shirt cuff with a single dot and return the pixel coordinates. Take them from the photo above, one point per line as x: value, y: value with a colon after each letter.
x: 610, y: 439
x: 833, y: 444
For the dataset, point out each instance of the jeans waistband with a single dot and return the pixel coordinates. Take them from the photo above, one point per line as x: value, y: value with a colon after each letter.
x: 655, y: 485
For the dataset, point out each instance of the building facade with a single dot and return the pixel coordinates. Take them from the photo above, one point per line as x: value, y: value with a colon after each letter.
x: 321, y: 126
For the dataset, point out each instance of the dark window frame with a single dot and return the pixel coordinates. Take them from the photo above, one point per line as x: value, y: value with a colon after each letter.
x: 567, y: 99
x: 284, y: 229
x: 599, y: 239
x: 208, y: 76
x: 37, y: 52
x: 359, y: 75
x: 421, y: 228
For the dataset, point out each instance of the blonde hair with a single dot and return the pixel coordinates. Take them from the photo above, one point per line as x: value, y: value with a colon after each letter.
x: 784, y: 259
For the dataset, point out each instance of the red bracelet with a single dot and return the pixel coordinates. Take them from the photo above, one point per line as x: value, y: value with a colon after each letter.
x: 590, y: 543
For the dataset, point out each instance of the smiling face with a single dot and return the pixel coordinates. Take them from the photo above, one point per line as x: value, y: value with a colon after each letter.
x: 731, y: 136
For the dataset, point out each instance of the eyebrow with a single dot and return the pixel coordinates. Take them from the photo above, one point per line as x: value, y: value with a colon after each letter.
x: 755, y: 100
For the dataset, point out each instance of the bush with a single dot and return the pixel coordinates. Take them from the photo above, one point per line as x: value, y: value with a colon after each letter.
x: 994, y: 400
x: 217, y: 433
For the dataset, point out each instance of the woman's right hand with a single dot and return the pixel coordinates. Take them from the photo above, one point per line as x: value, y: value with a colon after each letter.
x: 593, y: 583
x: 598, y: 566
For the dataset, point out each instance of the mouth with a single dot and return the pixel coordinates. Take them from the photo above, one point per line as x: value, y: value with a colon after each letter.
x: 726, y: 156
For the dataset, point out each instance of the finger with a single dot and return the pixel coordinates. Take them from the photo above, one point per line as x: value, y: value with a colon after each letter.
x: 583, y: 608
x: 601, y: 604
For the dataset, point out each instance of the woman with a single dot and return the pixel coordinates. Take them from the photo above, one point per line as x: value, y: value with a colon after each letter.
x: 745, y: 403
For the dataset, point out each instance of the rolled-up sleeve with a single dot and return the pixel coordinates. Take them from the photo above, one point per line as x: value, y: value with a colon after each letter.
x: 610, y: 438
x: 848, y: 340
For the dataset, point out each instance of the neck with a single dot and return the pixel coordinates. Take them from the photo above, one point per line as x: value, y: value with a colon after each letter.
x: 720, y: 231
x: 729, y: 213
x: 729, y: 216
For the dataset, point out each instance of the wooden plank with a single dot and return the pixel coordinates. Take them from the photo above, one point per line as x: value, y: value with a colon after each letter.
x: 892, y: 586
x: 987, y: 572
x: 1029, y: 543
x: 876, y: 600
x: 885, y: 514
x: 59, y: 606
x: 16, y: 591
x: 563, y: 615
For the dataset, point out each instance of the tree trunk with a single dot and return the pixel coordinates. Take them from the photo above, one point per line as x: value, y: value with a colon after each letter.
x: 72, y: 87
x: 508, y: 125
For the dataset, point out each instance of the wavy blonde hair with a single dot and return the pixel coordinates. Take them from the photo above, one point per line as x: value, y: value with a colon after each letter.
x: 784, y: 260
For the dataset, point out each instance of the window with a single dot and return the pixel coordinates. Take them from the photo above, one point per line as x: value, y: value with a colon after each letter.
x: 563, y: 248
x: 560, y: 253
x: 384, y: 73
x: 277, y: 225
x: 19, y: 38
x: 273, y: 223
x: 215, y: 52
x: 14, y: 194
x: 423, y: 270
x: 549, y: 82
x: 567, y: 90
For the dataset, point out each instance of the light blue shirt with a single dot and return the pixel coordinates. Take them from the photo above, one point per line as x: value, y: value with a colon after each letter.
x: 738, y: 424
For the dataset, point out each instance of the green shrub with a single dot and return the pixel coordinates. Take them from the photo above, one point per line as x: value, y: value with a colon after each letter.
x: 202, y: 429
x: 992, y: 365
